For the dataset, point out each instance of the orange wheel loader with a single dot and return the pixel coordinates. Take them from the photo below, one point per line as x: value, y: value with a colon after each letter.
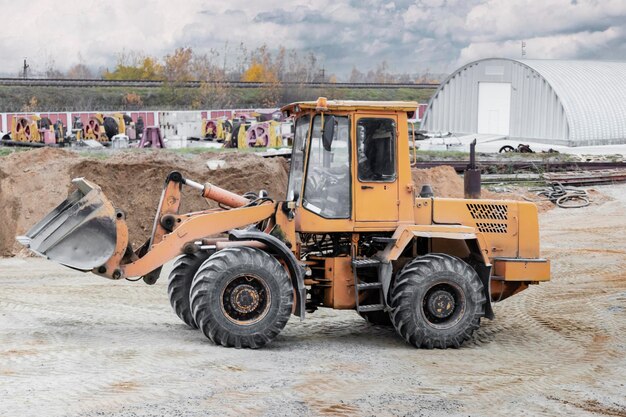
x: 351, y: 233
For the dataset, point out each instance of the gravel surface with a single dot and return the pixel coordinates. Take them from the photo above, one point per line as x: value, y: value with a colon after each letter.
x: 75, y: 344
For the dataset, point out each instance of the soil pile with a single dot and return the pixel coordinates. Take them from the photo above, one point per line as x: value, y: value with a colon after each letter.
x: 31, y: 184
x: 133, y: 182
x: 444, y: 181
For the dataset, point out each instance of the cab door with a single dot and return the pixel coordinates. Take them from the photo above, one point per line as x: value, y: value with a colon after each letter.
x: 376, y: 185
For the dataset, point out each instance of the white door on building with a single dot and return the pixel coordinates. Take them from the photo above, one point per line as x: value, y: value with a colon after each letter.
x: 494, y: 108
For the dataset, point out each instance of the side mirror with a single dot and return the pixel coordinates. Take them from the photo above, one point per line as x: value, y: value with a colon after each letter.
x: 328, y: 132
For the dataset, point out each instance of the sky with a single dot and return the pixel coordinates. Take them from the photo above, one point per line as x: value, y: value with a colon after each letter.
x: 411, y: 36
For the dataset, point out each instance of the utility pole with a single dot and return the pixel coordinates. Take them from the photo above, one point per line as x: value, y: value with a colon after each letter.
x: 25, y: 70
x: 523, y: 49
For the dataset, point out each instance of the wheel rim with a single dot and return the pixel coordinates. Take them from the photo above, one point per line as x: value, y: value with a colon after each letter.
x: 245, y: 299
x: 443, y: 305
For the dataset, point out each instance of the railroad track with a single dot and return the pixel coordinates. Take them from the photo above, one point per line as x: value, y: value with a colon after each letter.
x: 41, y: 82
x: 533, y: 166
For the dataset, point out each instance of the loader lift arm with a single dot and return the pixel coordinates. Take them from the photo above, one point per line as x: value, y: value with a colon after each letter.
x: 174, y: 234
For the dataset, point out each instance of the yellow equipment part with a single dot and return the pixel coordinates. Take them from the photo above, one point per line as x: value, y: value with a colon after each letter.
x: 219, y: 127
x: 207, y: 130
x: 24, y: 129
x: 518, y: 269
x: 275, y: 136
x: 94, y: 128
x: 242, y: 143
x: 121, y: 124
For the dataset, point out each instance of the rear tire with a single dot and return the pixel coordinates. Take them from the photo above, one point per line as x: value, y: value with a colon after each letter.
x: 437, y: 301
x: 241, y: 297
x: 179, y: 285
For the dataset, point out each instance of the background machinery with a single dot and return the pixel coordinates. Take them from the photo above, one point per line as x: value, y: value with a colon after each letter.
x: 102, y: 127
x: 353, y: 232
x: 35, y: 129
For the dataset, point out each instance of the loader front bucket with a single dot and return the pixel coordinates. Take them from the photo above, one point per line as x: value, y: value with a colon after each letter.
x: 79, y: 233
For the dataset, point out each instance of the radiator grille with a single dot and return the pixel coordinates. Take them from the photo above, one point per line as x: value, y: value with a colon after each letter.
x: 488, y: 211
x: 492, y: 227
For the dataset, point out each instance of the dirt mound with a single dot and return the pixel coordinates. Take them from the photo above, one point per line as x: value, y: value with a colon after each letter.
x: 133, y: 182
x: 444, y: 181
x: 33, y: 182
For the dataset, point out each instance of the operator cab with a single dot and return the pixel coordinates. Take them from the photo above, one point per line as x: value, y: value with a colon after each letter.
x: 347, y: 164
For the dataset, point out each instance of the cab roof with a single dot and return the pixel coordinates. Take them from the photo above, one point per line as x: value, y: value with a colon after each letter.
x: 346, y: 105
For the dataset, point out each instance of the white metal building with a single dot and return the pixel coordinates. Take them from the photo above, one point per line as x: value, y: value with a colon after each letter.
x: 572, y: 103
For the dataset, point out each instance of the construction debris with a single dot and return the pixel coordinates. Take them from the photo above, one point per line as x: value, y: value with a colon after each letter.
x: 587, y: 177
x: 563, y: 197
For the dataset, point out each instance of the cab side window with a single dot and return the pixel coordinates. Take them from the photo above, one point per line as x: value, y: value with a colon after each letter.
x: 376, y: 150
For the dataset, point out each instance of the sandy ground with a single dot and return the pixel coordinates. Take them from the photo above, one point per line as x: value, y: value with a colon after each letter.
x: 75, y: 344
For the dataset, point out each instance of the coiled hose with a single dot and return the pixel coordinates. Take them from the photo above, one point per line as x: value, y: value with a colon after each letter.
x: 562, y: 196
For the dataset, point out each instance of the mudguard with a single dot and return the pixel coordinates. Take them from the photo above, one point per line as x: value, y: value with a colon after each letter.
x: 282, y: 251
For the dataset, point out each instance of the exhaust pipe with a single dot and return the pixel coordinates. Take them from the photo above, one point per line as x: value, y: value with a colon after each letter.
x: 471, y: 176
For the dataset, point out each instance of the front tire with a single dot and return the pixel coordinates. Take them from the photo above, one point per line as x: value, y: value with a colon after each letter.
x: 179, y: 285
x: 241, y: 297
x: 437, y: 301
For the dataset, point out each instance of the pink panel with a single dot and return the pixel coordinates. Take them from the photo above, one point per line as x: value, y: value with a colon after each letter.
x: 422, y: 110
x: 203, y: 114
x: 149, y: 120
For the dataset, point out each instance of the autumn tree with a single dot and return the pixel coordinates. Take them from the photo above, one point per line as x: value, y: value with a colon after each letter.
x: 135, y: 66
x: 263, y: 67
x: 178, y: 65
x: 132, y: 100
x: 79, y: 72
x: 267, y: 68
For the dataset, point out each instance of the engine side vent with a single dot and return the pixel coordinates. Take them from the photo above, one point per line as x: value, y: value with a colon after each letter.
x: 488, y: 211
x: 492, y: 227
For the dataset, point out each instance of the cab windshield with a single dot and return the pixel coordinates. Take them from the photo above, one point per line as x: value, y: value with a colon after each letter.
x: 297, y: 157
x: 327, y: 188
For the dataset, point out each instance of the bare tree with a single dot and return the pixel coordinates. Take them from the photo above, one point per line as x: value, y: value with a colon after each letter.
x: 356, y: 76
x: 79, y: 72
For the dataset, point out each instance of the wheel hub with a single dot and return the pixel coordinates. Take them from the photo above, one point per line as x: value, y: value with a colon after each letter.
x: 245, y: 298
x: 441, y: 304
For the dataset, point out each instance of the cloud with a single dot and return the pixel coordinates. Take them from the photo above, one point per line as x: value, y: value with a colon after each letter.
x: 411, y: 35
x: 569, y: 46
